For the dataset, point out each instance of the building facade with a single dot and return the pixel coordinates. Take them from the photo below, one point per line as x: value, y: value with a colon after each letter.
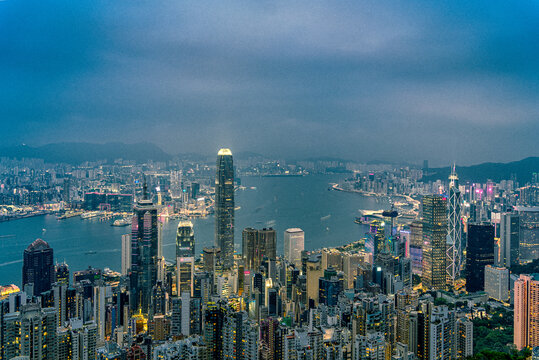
x: 224, y: 207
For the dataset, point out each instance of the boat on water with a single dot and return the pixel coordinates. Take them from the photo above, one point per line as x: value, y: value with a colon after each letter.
x: 121, y: 222
x: 91, y: 252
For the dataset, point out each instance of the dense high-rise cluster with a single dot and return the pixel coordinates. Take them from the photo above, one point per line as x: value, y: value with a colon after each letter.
x: 410, y: 288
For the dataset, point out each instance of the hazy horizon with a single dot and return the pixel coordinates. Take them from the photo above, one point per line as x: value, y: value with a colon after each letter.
x: 374, y: 80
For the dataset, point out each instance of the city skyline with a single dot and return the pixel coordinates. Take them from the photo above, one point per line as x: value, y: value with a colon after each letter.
x: 461, y: 77
x: 269, y: 180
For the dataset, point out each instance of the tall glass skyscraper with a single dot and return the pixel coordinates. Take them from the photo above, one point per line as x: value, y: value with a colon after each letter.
x: 434, y: 241
x: 479, y: 253
x: 38, y: 267
x: 185, y: 239
x: 144, y: 254
x: 224, y: 207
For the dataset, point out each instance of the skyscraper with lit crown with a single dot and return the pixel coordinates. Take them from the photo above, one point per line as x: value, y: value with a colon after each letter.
x: 185, y: 239
x: 224, y: 207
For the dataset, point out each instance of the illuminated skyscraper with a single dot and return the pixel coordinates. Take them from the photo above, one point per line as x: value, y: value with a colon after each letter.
x: 526, y: 313
x: 185, y: 239
x: 126, y: 253
x: 144, y: 253
x: 294, y: 244
x: 454, y: 231
x: 529, y: 233
x: 434, y: 241
x: 224, y: 207
x: 38, y: 267
x: 506, y: 253
x: 185, y: 267
x: 257, y: 244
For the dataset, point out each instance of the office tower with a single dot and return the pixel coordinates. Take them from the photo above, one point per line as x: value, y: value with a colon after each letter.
x: 314, y: 272
x: 62, y: 273
x: 350, y: 263
x: 479, y: 253
x: 176, y: 316
x: 185, y: 239
x: 126, y: 253
x: 214, y: 318
x: 210, y: 257
x: 159, y: 299
x: 257, y: 245
x: 416, y: 246
x: 529, y: 233
x: 497, y: 282
x: 66, y: 195
x: 267, y: 240
x: 454, y: 232
x: 185, y: 267
x: 332, y: 258
x: 186, y: 313
x: 250, y: 249
x: 195, y: 316
x: 294, y: 244
x: 434, y: 241
x: 100, y: 307
x: 526, y: 312
x: 38, y: 267
x: 144, y: 253
x: 202, y: 286
x: 31, y: 333
x: 224, y: 207
x: 329, y: 287
x: 464, y: 338
x: 507, y: 249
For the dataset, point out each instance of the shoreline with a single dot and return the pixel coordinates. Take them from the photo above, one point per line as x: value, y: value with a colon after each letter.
x: 410, y: 201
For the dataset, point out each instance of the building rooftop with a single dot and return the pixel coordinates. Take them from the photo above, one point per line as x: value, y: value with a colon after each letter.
x: 224, y: 152
x: 38, y: 245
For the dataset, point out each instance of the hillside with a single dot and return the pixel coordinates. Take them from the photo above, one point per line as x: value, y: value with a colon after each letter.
x: 522, y: 169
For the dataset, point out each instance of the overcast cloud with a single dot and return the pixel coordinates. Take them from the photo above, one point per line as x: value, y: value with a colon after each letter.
x: 389, y: 80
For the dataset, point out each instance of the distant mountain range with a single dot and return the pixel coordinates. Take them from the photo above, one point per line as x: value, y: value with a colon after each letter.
x: 522, y: 169
x: 76, y: 153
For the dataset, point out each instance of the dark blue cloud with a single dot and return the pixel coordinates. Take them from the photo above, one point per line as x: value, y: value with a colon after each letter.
x: 448, y: 81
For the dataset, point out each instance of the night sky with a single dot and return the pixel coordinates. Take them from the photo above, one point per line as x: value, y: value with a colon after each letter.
x: 365, y: 80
